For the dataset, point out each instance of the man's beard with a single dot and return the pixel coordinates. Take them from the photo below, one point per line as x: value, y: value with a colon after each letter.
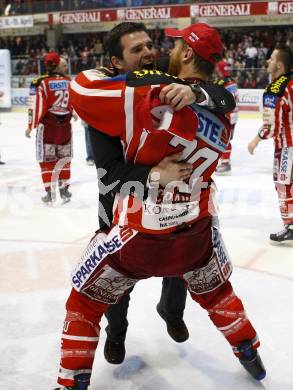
x: 175, y: 65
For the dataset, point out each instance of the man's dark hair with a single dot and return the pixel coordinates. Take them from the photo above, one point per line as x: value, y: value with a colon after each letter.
x: 112, y: 41
x: 285, y: 55
x: 201, y: 65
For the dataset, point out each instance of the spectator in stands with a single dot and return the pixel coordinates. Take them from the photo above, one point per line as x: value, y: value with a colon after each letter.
x: 262, y: 53
x: 249, y: 82
x: 251, y: 56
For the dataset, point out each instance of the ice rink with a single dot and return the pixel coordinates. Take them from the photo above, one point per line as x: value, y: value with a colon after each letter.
x: 39, y: 245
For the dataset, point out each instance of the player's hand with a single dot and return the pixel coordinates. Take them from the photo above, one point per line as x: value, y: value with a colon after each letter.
x: 28, y: 133
x: 177, y: 96
x: 253, y: 144
x: 169, y: 169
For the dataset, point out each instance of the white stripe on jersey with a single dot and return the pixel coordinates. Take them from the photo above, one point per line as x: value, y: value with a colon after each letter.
x: 94, y: 92
x: 40, y: 103
x: 128, y: 107
x: 142, y: 140
x: 80, y: 338
x: 44, y: 88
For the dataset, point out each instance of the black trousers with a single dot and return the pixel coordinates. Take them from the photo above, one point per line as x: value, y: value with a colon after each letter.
x: 172, y: 304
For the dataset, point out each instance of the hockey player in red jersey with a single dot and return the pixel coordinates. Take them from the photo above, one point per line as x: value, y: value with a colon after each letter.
x: 223, y: 72
x: 171, y: 231
x: 50, y: 114
x: 278, y: 124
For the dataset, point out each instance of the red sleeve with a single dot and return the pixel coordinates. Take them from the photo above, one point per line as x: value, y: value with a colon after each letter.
x: 101, y: 101
x: 38, y: 105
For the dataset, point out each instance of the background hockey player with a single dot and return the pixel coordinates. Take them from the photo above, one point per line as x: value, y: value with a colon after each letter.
x: 223, y: 72
x: 145, y: 241
x: 50, y: 114
x: 278, y: 124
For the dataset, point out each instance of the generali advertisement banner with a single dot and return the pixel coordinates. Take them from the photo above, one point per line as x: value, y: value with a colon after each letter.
x: 199, y: 10
x: 221, y: 14
x: 246, y: 13
x: 92, y: 16
x: 244, y: 8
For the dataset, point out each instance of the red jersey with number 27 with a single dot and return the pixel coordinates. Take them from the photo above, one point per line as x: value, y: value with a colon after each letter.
x: 128, y: 106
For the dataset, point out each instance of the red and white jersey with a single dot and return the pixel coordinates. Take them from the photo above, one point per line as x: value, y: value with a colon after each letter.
x: 231, y: 86
x: 48, y: 94
x: 278, y: 111
x: 127, y: 106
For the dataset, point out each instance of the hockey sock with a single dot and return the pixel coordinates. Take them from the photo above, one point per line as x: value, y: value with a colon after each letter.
x: 227, y: 154
x: 285, y: 196
x: 80, y: 337
x: 227, y: 313
x: 47, y: 171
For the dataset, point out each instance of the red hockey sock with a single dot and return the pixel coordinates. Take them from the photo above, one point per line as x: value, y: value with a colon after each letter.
x: 227, y: 313
x: 65, y: 172
x: 227, y: 154
x: 47, y: 171
x: 285, y: 196
x: 80, y: 337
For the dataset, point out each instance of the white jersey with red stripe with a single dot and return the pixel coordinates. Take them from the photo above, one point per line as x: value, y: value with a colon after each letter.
x: 278, y: 111
x: 48, y: 93
x: 127, y: 106
x: 231, y: 86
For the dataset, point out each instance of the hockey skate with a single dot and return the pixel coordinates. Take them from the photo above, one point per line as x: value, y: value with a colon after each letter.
x: 49, y: 198
x: 251, y: 361
x: 65, y: 194
x: 223, y: 168
x: 285, y: 236
x: 82, y: 383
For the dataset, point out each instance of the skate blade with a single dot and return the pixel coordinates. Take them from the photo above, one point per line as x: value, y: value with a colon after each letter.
x: 285, y: 244
x: 265, y: 384
x: 64, y: 201
x: 49, y: 204
x: 228, y: 173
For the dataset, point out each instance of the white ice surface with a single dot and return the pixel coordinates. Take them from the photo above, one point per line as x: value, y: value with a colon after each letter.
x: 39, y: 245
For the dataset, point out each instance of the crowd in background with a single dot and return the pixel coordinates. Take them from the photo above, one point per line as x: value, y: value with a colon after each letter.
x: 246, y: 50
